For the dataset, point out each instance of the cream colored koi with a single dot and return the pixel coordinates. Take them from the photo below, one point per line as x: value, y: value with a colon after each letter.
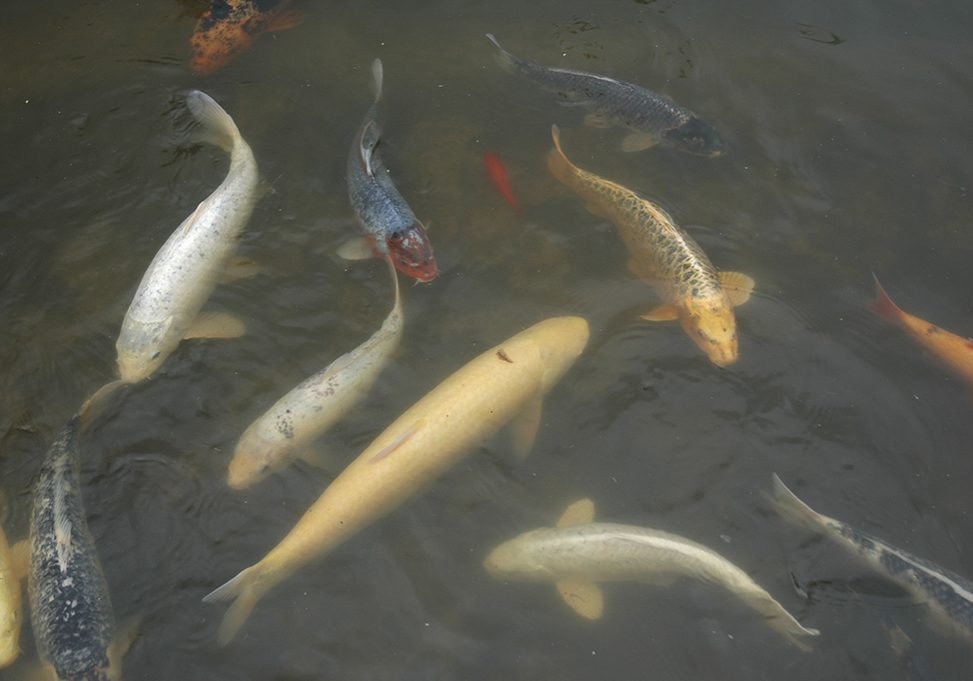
x: 506, y: 382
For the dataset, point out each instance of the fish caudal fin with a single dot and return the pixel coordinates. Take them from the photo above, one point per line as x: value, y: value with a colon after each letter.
x: 557, y: 162
x: 506, y: 60
x: 793, y: 509
x: 244, y: 590
x: 218, y: 126
x: 780, y: 620
x: 882, y: 305
x: 378, y: 77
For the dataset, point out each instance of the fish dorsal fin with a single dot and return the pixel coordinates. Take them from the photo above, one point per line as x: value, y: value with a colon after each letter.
x: 372, y: 134
x: 738, y: 287
x: 584, y: 597
x: 580, y: 512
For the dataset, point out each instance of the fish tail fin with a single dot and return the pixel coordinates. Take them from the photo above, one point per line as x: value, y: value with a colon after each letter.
x: 778, y: 618
x: 218, y: 126
x: 793, y: 509
x: 882, y: 304
x: 557, y: 162
x: 92, y: 406
x: 507, y: 61
x: 378, y: 78
x: 245, y: 590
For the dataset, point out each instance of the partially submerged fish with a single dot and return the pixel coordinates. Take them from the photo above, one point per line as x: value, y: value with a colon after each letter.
x: 955, y: 352
x: 578, y: 553
x: 667, y: 258
x: 654, y: 118
x: 70, y: 607
x: 166, y: 306
x: 950, y: 595
x: 505, y: 383
x: 228, y: 28
x: 390, y: 226
x: 13, y: 561
x: 498, y: 175
x: 300, y: 416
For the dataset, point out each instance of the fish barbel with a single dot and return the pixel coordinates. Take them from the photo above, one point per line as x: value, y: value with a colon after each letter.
x: 506, y: 383
x: 653, y: 117
x: 390, y: 226
x: 950, y: 595
x: 666, y: 257
x: 578, y: 553
x: 166, y: 306
x: 70, y: 608
x: 320, y: 401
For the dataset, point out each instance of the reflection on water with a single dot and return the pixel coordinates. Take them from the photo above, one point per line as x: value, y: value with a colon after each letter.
x: 846, y: 152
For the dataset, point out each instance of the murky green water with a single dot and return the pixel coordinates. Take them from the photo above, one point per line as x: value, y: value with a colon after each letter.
x: 848, y: 134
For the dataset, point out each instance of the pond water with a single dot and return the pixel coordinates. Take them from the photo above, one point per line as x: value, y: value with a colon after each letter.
x: 847, y: 138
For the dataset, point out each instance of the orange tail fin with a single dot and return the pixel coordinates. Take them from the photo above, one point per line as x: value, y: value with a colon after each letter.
x: 557, y: 162
x: 882, y: 305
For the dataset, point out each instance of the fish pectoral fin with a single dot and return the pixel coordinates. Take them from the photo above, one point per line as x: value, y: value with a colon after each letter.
x: 585, y: 598
x: 662, y: 313
x: 641, y: 270
x: 738, y: 287
x: 321, y: 459
x: 598, y: 120
x: 240, y: 267
x: 523, y: 429
x: 580, y: 512
x: 20, y: 559
x: 125, y: 636
x: 216, y: 325
x: 358, y: 248
x: 638, y: 141
x: 399, y: 440
x: 285, y: 21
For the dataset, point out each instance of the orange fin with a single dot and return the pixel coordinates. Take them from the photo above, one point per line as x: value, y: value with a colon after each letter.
x: 662, y: 313
x: 738, y: 287
x: 882, y: 305
x: 284, y: 21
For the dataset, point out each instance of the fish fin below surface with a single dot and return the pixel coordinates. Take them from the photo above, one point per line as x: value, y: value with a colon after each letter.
x: 662, y: 313
x: 20, y: 559
x: 284, y: 21
x: 640, y: 270
x: 792, y: 508
x: 597, y: 120
x: 585, y: 598
x: 244, y: 592
x: 580, y: 512
x: 241, y: 267
x: 216, y: 325
x: 638, y: 141
x: 738, y: 287
x: 400, y: 440
x: 882, y: 304
x: 91, y: 407
x: 524, y: 427
x: 125, y: 636
x: 357, y: 248
x: 320, y: 459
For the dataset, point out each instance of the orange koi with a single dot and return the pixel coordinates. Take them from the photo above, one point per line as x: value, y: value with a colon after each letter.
x: 498, y: 175
x: 228, y: 28
x: 954, y: 351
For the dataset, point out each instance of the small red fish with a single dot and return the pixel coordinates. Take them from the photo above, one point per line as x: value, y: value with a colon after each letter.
x: 498, y: 175
x: 229, y: 27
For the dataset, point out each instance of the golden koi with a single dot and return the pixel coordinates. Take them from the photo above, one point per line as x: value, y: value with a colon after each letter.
x: 424, y: 442
x: 13, y: 568
x: 666, y: 257
x: 950, y: 349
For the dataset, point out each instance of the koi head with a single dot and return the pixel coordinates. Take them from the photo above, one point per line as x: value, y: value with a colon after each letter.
x: 411, y: 252
x: 222, y: 34
x: 712, y: 326
x: 142, y: 347
x: 695, y: 137
x: 519, y: 558
x: 254, y: 458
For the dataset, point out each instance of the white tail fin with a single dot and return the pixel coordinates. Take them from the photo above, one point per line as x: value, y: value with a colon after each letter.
x: 218, y: 126
x: 244, y: 590
x: 794, y: 510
